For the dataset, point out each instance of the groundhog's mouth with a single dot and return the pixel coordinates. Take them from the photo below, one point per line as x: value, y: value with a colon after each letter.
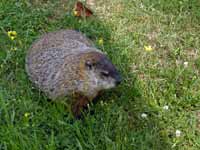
x: 118, y: 80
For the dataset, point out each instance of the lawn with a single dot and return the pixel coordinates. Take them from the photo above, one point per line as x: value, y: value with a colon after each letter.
x: 154, y: 44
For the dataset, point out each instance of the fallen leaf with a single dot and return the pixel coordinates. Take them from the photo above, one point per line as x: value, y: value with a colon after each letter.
x: 82, y: 11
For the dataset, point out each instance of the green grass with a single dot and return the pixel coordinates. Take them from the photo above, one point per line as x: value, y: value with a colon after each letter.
x: 151, y: 79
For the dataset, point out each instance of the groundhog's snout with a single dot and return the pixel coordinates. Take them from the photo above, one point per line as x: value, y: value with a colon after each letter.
x: 118, y: 79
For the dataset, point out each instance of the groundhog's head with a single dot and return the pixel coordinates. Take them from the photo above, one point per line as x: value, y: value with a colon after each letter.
x: 100, y: 72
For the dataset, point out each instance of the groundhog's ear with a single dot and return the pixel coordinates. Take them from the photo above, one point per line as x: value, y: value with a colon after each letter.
x: 88, y: 64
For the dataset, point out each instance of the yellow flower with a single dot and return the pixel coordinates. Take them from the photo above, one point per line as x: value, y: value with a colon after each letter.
x: 26, y: 114
x: 148, y: 48
x: 12, y: 34
x: 13, y: 49
x: 12, y: 37
x: 100, y: 41
x: 75, y: 13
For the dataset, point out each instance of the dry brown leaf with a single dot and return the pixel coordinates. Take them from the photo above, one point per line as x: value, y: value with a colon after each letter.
x: 80, y: 10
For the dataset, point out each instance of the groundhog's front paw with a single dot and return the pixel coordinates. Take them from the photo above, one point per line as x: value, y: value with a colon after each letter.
x: 79, y: 106
x: 76, y: 110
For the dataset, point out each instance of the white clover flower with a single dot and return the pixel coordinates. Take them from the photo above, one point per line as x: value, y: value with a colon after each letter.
x: 141, y: 5
x: 185, y: 64
x: 166, y: 107
x: 178, y: 133
x: 101, y: 102
x: 88, y: 105
x: 144, y: 115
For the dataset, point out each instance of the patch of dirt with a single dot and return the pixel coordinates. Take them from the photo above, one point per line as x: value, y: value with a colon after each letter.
x: 192, y: 54
x: 60, y: 8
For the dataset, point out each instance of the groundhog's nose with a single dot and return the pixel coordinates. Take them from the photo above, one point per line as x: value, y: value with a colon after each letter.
x: 118, y: 80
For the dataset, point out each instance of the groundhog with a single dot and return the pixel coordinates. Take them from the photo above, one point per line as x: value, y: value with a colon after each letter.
x: 66, y: 63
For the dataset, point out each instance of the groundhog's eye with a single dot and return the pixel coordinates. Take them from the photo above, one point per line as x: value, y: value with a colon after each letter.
x: 89, y: 65
x: 105, y: 73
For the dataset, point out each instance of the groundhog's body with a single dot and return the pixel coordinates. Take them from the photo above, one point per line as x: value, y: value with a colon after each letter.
x: 57, y: 64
